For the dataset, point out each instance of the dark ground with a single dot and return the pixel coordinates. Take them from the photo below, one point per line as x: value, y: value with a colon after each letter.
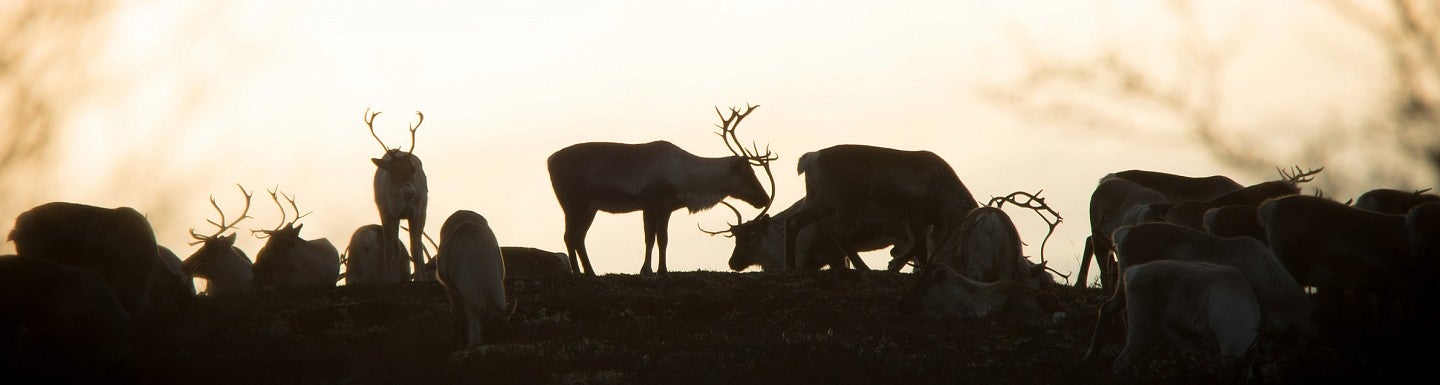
x: 687, y: 328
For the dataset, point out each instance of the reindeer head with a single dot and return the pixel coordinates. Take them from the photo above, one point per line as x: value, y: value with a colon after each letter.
x: 285, y: 233
x: 749, y: 235
x: 401, y: 165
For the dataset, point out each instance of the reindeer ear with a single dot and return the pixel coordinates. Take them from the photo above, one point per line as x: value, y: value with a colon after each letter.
x: 297, y: 228
x: 376, y: 161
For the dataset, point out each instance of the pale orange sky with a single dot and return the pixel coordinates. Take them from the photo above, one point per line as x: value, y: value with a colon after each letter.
x: 270, y: 93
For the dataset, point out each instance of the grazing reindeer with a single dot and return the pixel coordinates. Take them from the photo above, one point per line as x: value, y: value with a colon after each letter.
x: 940, y: 290
x: 656, y: 178
x: 117, y: 243
x: 1388, y: 201
x: 470, y: 265
x: 1200, y: 306
x: 1116, y: 202
x: 57, y: 320
x: 1334, y: 247
x: 1284, y: 306
x: 225, y: 268
x: 989, y: 246
x: 401, y: 192
x: 288, y: 263
x: 366, y: 263
x: 1176, y: 188
x: 851, y: 181
x: 761, y: 241
x: 1192, y: 213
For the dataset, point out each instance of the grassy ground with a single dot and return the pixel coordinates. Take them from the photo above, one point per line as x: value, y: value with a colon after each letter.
x: 686, y: 328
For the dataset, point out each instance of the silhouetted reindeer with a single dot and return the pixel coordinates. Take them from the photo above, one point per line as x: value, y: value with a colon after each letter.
x: 225, y: 268
x: 366, y: 263
x: 851, y: 181
x: 470, y: 266
x: 656, y: 178
x: 401, y: 192
x: 118, y: 243
x: 288, y: 263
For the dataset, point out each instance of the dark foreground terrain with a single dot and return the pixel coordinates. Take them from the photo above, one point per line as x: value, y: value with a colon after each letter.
x: 687, y: 328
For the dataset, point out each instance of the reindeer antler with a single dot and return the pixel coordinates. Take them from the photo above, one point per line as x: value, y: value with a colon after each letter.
x: 1036, y: 203
x: 369, y: 119
x: 1299, y: 176
x: 275, y: 196
x: 732, y: 142
x: 728, y: 233
x: 222, y: 225
x: 413, y: 129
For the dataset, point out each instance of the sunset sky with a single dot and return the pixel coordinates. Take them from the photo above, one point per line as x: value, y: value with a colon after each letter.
x: 190, y: 99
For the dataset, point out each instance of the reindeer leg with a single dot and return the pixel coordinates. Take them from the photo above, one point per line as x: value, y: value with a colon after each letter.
x: 662, y: 234
x: 1085, y: 258
x: 919, y: 248
x: 843, y: 242
x: 390, y: 239
x: 423, y: 273
x: 1108, y: 310
x: 649, y: 218
x: 576, y: 225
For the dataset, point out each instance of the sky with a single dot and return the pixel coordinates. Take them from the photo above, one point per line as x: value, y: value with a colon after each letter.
x: 191, y: 99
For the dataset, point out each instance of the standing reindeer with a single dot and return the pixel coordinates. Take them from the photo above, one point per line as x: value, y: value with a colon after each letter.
x: 851, y: 181
x: 401, y: 192
x: 224, y: 267
x: 656, y: 178
x: 288, y: 263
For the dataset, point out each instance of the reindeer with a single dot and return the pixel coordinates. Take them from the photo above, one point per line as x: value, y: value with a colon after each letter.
x: 1191, y: 305
x: 656, y: 178
x: 851, y: 181
x: 1336, y: 248
x: 1389, y: 201
x: 1116, y: 202
x: 366, y: 263
x: 989, y: 247
x: 225, y: 268
x: 57, y: 320
x: 940, y: 290
x: 175, y: 286
x: 1176, y: 188
x: 529, y: 262
x: 1284, y: 306
x: 761, y: 241
x: 470, y: 265
x: 401, y: 192
x: 288, y: 263
x: 117, y: 243
x: 1192, y: 213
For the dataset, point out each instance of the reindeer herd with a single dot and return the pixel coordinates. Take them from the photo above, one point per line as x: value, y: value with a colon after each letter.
x: 1202, y: 263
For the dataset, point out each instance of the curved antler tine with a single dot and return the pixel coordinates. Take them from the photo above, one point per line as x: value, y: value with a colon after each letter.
x: 413, y: 129
x: 276, y: 197
x: 369, y: 119
x: 771, y: 201
x: 738, y: 218
x: 726, y: 233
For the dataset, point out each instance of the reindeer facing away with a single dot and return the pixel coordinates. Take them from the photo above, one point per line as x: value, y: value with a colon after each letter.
x: 401, y: 192
x: 225, y: 268
x: 656, y: 178
x: 288, y: 263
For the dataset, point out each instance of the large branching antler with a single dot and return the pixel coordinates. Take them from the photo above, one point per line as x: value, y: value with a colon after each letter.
x: 1036, y: 203
x: 753, y: 156
x: 1299, y: 175
x: 275, y: 196
x: 222, y: 225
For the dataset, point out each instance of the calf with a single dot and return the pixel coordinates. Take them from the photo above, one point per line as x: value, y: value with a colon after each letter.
x: 1390, y: 201
x: 288, y: 263
x: 117, y: 243
x: 470, y: 265
x: 1193, y: 306
x: 1284, y: 306
x: 761, y: 242
x: 57, y: 320
x: 366, y: 263
x: 940, y: 290
x: 989, y: 250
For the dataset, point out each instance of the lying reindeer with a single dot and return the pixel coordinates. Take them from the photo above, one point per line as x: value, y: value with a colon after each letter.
x: 288, y: 263
x: 225, y: 268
